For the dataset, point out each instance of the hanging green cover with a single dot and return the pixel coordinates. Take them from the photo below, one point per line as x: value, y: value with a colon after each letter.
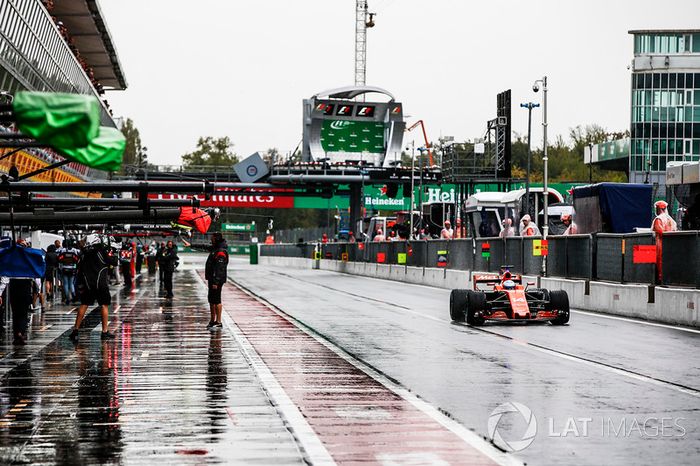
x: 105, y: 152
x: 59, y: 120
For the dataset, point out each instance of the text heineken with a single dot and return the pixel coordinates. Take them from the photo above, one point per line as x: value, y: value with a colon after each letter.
x: 237, y: 227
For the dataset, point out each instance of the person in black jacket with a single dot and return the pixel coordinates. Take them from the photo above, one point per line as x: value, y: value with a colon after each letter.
x: 215, y: 273
x: 51, y: 267
x: 93, y: 283
x: 168, y: 261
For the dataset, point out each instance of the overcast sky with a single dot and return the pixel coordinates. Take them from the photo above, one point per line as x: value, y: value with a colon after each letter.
x: 241, y: 68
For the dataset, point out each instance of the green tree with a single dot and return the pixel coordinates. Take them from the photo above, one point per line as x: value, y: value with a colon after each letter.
x: 565, y: 159
x: 211, y: 152
x: 133, y: 143
x: 272, y: 156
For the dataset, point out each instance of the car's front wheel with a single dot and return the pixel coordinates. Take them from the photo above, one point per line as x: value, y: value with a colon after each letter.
x: 559, y: 301
x: 476, y: 304
x: 458, y: 304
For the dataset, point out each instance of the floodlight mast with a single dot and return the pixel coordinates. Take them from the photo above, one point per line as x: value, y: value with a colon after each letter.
x: 363, y: 20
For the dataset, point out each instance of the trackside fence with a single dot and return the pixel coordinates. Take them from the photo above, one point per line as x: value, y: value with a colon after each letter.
x: 628, y: 258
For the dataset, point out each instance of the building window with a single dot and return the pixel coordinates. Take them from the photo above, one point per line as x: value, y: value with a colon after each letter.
x: 695, y: 43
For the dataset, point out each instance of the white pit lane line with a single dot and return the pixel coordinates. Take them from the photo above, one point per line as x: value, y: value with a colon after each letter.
x: 310, y: 445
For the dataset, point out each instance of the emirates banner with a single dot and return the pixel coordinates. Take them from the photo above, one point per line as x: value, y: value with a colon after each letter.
x: 235, y: 200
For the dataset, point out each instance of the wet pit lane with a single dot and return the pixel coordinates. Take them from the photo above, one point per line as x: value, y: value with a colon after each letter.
x: 165, y: 391
x: 601, y: 390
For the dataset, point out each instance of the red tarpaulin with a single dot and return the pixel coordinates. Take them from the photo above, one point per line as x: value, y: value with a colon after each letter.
x: 195, y: 218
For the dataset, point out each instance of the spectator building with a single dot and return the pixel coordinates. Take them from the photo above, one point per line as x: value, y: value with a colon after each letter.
x: 61, y: 46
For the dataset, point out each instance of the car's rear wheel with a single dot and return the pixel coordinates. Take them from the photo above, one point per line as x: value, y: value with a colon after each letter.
x: 559, y: 301
x: 476, y: 304
x: 458, y: 304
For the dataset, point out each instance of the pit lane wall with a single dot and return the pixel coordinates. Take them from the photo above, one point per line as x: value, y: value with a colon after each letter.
x: 602, y: 273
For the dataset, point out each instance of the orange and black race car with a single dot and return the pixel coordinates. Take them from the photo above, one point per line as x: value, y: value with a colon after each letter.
x: 502, y: 297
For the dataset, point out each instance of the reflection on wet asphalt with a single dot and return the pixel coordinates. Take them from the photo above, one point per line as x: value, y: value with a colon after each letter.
x: 166, y: 391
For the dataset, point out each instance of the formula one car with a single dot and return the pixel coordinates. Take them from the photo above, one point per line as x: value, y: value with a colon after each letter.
x: 502, y: 297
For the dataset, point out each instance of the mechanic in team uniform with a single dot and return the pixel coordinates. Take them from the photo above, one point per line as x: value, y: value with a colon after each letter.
x: 661, y: 224
x: 215, y: 273
x: 68, y: 258
x: 93, y: 283
x: 126, y: 256
x: 168, y: 262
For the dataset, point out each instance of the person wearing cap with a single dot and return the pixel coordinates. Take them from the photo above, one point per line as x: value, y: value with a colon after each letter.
x: 447, y: 232
x: 216, y: 274
x: 571, y: 227
x: 661, y: 224
x: 528, y: 227
x: 508, y: 229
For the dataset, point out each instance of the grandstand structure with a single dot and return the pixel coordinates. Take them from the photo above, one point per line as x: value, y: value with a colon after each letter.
x: 56, y: 46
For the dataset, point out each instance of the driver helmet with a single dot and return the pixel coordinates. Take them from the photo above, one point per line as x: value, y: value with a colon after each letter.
x: 509, y: 285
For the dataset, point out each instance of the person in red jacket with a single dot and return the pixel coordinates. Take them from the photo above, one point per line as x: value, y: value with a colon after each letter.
x: 661, y: 224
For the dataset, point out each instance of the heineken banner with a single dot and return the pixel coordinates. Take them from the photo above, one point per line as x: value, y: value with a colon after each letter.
x: 237, y: 227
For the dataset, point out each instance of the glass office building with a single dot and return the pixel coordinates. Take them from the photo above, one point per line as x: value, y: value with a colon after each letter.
x: 665, y: 112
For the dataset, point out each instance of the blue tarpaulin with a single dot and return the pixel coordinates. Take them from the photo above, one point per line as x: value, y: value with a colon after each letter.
x: 20, y: 262
x: 622, y: 206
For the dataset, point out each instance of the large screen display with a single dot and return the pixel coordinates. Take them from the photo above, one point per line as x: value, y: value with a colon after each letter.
x: 352, y: 136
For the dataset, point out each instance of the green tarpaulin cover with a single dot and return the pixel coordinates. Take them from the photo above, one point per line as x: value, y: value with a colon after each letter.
x: 104, y: 152
x: 64, y: 121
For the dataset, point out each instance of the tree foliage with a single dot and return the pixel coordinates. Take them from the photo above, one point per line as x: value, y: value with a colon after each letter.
x: 211, y: 152
x: 133, y: 143
x: 565, y: 159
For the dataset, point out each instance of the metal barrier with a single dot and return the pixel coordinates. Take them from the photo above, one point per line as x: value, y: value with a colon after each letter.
x: 638, y: 271
x: 579, y: 256
x: 417, y: 253
x: 619, y: 258
x: 514, y: 253
x: 489, y: 254
x: 532, y: 265
x: 461, y: 254
x: 435, y: 250
x: 556, y: 260
x: 681, y: 264
x: 287, y: 250
x: 609, y: 257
